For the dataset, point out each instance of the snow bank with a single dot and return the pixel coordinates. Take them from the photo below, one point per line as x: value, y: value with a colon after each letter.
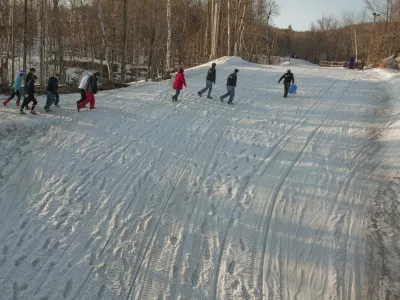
x: 384, y: 227
x: 297, y: 62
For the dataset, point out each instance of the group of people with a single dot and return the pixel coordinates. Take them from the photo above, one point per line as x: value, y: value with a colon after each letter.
x: 88, y: 87
x: 28, y: 91
x: 179, y: 82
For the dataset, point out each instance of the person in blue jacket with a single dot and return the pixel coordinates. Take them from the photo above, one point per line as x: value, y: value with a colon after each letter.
x: 52, y: 92
x: 16, y: 89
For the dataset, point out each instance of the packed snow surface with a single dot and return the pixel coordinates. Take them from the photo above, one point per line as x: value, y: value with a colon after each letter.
x: 144, y: 198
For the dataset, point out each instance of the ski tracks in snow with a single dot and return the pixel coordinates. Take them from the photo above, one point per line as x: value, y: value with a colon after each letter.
x: 194, y: 199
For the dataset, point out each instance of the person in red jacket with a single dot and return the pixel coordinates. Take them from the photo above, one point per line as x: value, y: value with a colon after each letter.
x: 179, y: 82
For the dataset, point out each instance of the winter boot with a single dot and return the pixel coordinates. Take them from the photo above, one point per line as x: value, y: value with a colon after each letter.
x: 47, y: 109
x: 21, y: 112
x: 6, y: 101
x: 198, y: 93
x: 222, y: 99
x: 17, y: 102
x: 33, y: 112
x: 209, y: 97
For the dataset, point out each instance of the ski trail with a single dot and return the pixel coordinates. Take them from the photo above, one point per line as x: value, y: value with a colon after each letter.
x: 148, y: 199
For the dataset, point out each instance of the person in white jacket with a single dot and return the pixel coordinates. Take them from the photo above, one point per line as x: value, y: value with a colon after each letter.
x: 82, y: 86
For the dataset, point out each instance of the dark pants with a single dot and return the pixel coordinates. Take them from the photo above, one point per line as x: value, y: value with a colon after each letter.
x: 286, y: 86
x: 177, y: 92
x: 15, y: 93
x: 51, y: 99
x: 27, y: 100
x: 83, y: 96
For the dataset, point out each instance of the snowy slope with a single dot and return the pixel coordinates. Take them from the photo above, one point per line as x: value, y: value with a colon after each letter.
x: 148, y: 199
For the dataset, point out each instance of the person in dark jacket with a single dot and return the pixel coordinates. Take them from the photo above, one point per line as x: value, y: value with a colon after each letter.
x: 210, y: 79
x: 230, y: 86
x: 90, y: 89
x: 288, y: 77
x: 30, y: 90
x: 28, y: 77
x: 52, y: 92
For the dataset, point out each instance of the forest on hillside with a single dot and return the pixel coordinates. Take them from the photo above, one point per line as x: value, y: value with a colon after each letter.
x: 131, y: 39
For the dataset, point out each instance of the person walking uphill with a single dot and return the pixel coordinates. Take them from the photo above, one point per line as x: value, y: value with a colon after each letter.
x: 28, y: 78
x: 178, y: 84
x: 90, y: 90
x: 210, y: 79
x: 30, y: 90
x: 52, y: 92
x: 288, y: 77
x: 16, y: 89
x: 82, y: 86
x: 230, y: 86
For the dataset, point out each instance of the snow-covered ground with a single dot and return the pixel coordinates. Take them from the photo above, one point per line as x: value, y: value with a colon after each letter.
x: 143, y: 198
x: 383, y: 246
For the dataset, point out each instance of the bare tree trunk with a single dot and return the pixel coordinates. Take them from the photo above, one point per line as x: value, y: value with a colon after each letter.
x: 125, y: 39
x: 41, y: 20
x: 169, y: 37
x: 13, y: 42
x: 229, y: 29
x: 25, y: 32
x: 104, y: 39
x: 208, y: 17
x: 214, y: 29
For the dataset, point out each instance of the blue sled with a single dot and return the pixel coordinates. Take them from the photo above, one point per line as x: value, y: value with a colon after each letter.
x: 293, y: 89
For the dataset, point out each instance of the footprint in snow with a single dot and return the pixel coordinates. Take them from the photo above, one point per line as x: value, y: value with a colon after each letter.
x: 173, y: 240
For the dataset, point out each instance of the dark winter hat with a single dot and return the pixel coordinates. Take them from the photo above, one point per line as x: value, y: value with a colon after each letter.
x: 181, y: 70
x: 236, y: 70
x: 57, y: 75
x: 97, y: 73
x: 21, y: 73
x: 213, y: 64
x: 33, y: 70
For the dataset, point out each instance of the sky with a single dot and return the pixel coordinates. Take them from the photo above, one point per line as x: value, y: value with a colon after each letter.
x: 300, y: 13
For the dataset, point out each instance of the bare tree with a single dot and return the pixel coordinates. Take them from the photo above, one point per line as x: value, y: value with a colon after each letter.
x: 169, y: 37
x: 105, y: 53
x: 125, y: 41
x: 271, y: 9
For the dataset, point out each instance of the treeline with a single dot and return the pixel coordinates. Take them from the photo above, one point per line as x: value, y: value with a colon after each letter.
x: 131, y: 39
x: 127, y: 35
x: 336, y: 40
